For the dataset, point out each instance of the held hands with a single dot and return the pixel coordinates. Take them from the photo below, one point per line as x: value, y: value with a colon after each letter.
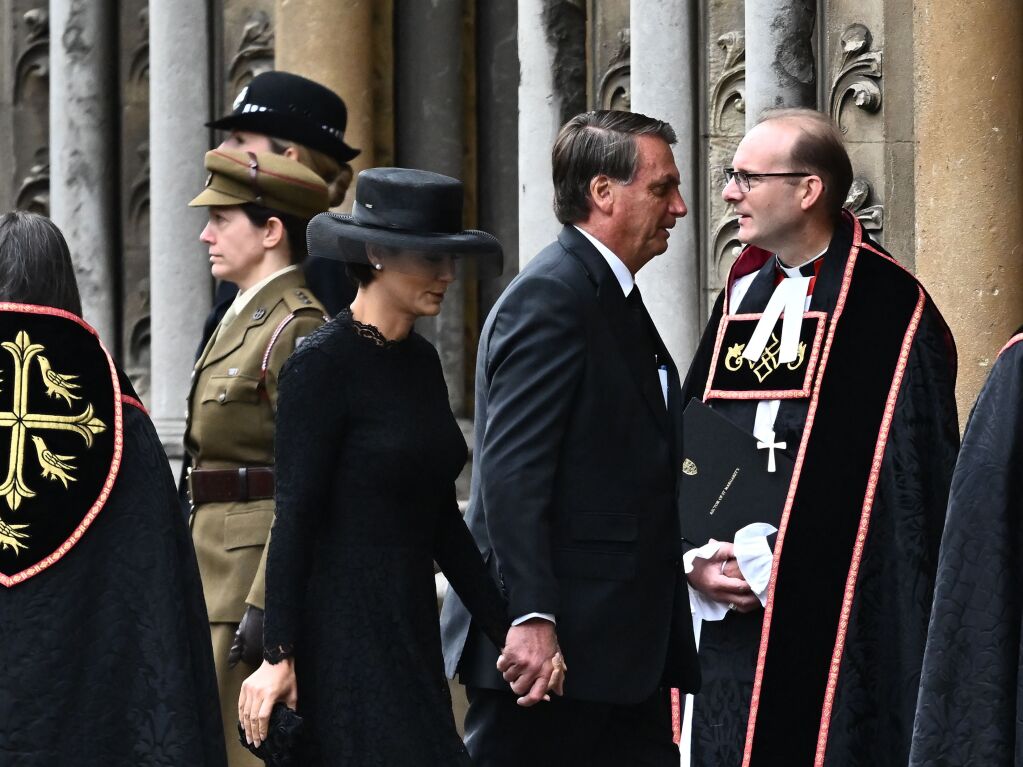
x: 719, y: 578
x: 270, y: 683
x: 532, y: 663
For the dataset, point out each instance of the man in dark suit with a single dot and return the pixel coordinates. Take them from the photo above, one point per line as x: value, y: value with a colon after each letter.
x: 574, y: 476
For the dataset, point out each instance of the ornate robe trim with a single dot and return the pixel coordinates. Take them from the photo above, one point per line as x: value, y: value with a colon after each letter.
x: 61, y: 433
x: 735, y: 377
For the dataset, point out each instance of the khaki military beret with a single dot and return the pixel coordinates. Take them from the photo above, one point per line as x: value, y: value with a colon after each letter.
x: 271, y: 180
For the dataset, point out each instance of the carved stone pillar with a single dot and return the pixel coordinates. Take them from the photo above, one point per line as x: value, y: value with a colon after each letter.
x: 781, y: 69
x: 82, y: 146
x: 552, y: 75
x: 430, y: 135
x: 497, y: 79
x: 24, y: 105
x: 664, y: 39
x: 331, y: 42
x: 969, y: 168
x: 179, y: 99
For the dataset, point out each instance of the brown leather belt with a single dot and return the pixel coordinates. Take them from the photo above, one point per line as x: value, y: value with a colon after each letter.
x: 246, y: 483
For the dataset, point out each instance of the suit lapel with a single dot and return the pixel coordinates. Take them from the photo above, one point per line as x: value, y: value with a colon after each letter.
x: 615, y: 310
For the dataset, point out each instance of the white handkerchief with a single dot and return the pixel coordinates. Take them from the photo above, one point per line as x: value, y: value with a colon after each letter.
x: 754, y: 556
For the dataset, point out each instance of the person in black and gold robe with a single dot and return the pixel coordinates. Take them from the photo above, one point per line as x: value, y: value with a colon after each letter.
x: 816, y: 660
x: 970, y: 691
x: 106, y: 655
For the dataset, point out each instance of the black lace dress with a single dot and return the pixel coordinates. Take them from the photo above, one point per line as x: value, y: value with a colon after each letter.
x: 367, y: 453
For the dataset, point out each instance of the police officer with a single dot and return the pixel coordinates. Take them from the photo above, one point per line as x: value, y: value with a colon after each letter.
x: 293, y: 116
x: 259, y: 206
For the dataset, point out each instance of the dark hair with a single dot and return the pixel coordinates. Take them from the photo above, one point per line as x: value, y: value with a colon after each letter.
x: 35, y: 264
x: 360, y: 274
x: 602, y: 142
x: 294, y: 227
x: 820, y: 150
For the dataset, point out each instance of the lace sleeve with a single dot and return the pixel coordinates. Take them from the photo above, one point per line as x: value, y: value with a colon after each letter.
x: 456, y: 553
x: 309, y: 424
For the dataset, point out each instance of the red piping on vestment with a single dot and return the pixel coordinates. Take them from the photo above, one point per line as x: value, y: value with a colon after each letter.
x: 861, y: 534
x: 1012, y: 342
x: 115, y: 461
x: 793, y: 484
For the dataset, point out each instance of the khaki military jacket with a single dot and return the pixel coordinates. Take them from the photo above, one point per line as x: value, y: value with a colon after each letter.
x: 231, y: 409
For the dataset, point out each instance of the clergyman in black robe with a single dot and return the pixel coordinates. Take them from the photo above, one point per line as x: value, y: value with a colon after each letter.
x: 826, y: 672
x: 104, y: 642
x: 969, y: 710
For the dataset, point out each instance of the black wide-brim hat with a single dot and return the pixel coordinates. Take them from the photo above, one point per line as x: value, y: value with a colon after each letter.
x: 293, y: 108
x: 403, y: 209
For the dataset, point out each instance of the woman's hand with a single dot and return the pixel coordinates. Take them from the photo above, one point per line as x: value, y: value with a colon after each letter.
x: 272, y: 682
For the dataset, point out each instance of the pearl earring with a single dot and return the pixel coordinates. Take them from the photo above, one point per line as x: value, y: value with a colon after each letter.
x: 378, y: 267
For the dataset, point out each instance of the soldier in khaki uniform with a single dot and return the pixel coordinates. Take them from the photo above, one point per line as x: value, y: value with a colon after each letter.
x: 259, y: 205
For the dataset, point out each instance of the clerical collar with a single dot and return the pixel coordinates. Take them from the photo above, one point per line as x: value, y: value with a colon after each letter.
x: 807, y: 269
x: 621, y: 271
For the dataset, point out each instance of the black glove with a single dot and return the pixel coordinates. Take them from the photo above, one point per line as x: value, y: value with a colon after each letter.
x: 248, y: 640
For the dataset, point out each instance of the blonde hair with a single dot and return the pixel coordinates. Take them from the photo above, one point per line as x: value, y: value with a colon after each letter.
x: 338, y: 176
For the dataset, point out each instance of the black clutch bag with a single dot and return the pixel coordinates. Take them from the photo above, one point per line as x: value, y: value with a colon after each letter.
x: 280, y: 749
x: 726, y: 478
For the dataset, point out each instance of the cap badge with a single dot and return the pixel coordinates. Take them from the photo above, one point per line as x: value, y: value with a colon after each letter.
x: 240, y: 98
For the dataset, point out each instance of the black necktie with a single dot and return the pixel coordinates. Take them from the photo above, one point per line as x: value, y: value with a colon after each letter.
x: 641, y: 331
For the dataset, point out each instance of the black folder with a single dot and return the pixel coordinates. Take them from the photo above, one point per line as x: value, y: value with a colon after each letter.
x: 726, y: 484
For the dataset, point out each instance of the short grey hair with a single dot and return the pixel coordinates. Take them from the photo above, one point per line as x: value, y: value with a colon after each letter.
x: 35, y: 263
x: 602, y: 142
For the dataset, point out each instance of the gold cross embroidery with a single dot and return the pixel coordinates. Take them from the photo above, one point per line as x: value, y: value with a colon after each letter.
x: 22, y: 422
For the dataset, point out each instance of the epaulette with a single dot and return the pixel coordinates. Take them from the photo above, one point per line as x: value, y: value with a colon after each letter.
x: 301, y: 300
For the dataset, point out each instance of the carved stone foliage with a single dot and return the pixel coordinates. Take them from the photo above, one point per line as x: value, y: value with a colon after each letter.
x: 33, y: 64
x: 858, y: 81
x: 613, y: 91
x: 860, y: 202
x: 729, y: 91
x: 134, y: 191
x: 723, y: 44
x: 24, y: 110
x: 607, y: 54
x: 34, y: 192
x: 255, y: 53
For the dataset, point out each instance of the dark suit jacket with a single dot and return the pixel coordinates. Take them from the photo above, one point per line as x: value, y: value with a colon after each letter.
x: 574, y: 483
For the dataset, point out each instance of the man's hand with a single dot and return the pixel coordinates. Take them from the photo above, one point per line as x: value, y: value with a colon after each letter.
x: 718, y: 578
x: 527, y: 661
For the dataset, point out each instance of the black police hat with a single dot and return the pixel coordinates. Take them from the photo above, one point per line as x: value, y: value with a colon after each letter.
x: 293, y: 108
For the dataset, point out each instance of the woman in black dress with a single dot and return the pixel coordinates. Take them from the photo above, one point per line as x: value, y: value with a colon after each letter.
x: 367, y: 453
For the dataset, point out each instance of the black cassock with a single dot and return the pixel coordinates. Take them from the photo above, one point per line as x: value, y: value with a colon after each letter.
x: 105, y: 652
x: 969, y: 708
x: 832, y: 679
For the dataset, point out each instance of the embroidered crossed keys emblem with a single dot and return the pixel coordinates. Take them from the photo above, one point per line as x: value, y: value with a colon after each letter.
x: 22, y: 423
x: 768, y: 360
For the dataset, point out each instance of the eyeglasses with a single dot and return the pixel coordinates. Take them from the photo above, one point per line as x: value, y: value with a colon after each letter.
x: 744, y: 179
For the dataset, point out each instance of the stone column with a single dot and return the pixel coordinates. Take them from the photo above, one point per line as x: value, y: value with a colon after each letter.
x: 430, y: 135
x: 780, y: 64
x: 82, y: 145
x: 664, y: 39
x: 179, y: 104
x: 539, y: 121
x: 497, y: 80
x: 331, y: 42
x: 969, y: 174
